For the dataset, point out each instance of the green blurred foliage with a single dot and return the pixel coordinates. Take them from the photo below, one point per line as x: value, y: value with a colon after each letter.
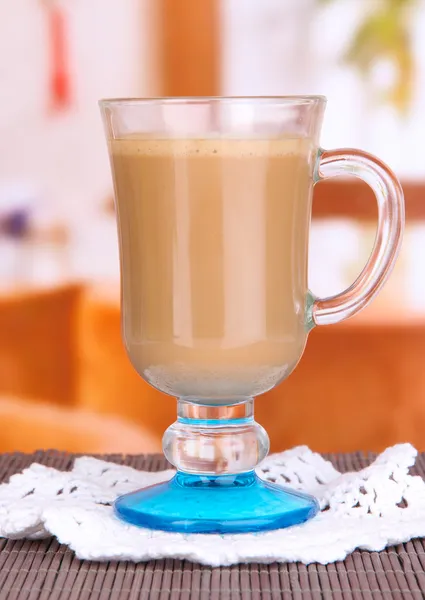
x: 384, y: 34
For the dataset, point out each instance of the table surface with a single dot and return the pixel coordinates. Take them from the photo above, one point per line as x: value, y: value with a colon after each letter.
x: 46, y: 570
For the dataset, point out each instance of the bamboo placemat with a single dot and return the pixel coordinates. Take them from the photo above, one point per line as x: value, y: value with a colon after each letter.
x: 45, y: 570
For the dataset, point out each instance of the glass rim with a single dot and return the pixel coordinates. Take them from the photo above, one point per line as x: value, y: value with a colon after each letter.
x: 295, y: 100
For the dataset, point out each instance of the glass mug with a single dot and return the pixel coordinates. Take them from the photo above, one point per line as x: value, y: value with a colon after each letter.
x: 213, y: 199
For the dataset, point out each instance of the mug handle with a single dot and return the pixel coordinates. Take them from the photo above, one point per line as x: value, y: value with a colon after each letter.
x: 389, y: 196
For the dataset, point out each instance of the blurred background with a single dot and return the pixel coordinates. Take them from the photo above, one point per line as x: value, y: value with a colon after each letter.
x: 65, y: 381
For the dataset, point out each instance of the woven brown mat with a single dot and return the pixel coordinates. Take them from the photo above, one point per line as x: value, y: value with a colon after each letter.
x: 46, y: 570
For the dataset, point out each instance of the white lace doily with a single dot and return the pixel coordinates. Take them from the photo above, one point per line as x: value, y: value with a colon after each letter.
x: 378, y: 506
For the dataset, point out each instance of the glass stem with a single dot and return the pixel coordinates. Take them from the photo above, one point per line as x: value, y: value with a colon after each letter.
x: 215, y: 440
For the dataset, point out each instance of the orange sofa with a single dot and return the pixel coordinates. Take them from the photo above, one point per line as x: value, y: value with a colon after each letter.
x: 65, y: 381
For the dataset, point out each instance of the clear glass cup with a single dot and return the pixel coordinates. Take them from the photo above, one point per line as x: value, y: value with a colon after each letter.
x: 213, y: 199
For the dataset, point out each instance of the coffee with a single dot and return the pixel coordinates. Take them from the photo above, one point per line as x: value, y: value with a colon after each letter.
x: 214, y: 242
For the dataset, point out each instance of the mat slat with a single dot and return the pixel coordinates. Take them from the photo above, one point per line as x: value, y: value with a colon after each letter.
x: 45, y: 570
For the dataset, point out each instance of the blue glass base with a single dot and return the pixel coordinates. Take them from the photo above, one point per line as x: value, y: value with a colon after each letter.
x: 216, y: 504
